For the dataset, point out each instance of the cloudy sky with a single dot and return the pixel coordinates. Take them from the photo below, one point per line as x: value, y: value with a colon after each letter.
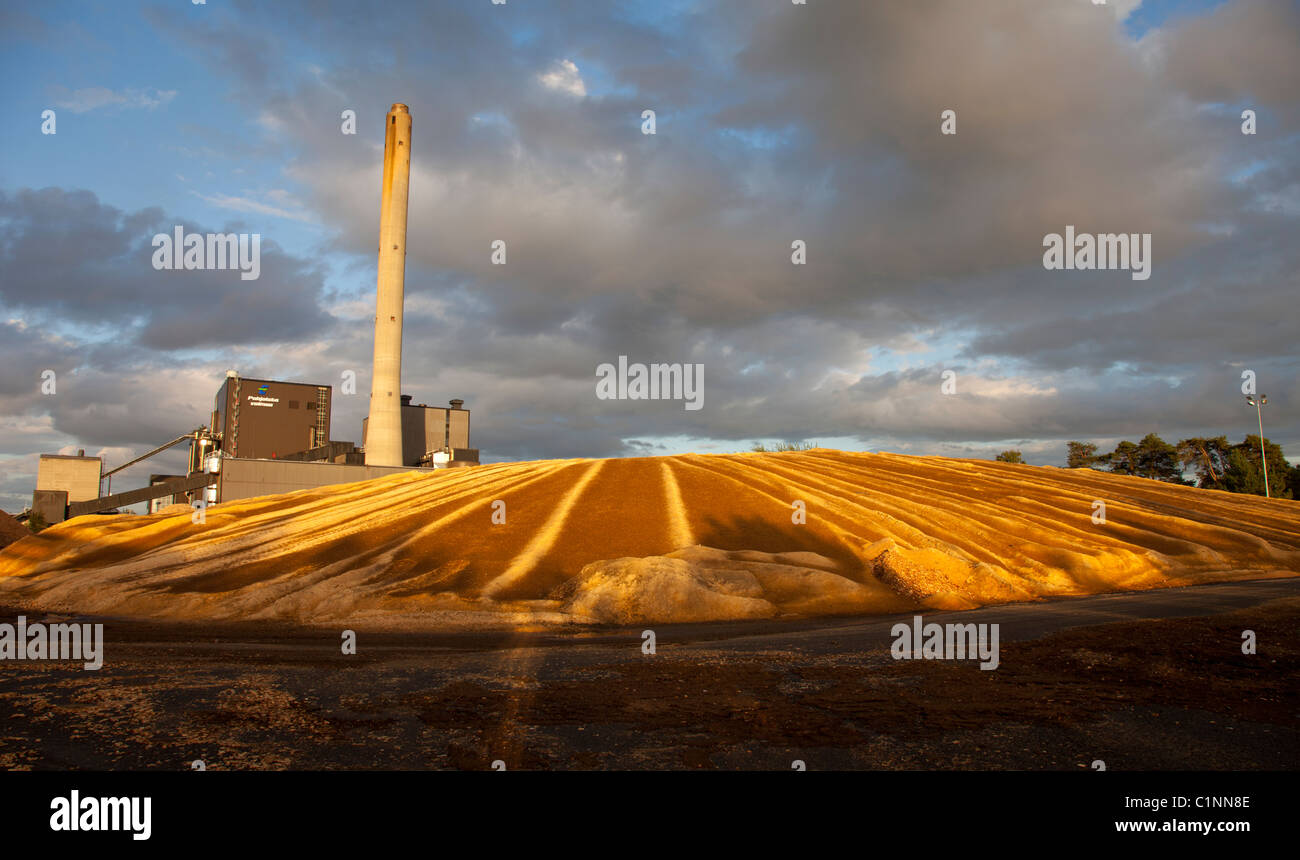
x: 775, y: 122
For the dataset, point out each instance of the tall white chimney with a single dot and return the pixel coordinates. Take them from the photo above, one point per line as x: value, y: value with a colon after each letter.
x: 384, y: 429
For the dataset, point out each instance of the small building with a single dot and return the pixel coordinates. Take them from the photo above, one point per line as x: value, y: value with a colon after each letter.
x: 62, y: 479
x: 77, y: 475
x: 429, y: 430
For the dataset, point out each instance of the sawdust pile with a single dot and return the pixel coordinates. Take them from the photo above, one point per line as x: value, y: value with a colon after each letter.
x: 682, y: 538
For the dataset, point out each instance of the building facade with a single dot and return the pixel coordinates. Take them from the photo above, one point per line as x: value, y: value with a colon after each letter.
x: 78, y: 476
x: 266, y: 418
x: 430, y: 429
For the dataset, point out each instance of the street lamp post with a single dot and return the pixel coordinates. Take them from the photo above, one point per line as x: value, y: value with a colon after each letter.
x: 1263, y: 458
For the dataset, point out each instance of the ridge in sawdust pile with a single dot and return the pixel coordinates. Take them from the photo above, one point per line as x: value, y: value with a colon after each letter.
x: 655, y: 539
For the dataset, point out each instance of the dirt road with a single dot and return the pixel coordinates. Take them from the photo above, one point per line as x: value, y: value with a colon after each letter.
x: 1149, y: 680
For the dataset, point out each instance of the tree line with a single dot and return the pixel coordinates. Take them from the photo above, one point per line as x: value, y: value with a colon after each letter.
x: 1215, y: 463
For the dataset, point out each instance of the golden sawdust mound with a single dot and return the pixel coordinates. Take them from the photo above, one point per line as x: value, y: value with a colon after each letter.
x: 683, y: 538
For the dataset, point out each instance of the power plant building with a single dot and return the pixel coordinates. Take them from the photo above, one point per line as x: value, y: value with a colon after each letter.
x: 431, y: 430
x: 248, y: 452
x: 269, y: 436
x: 266, y: 418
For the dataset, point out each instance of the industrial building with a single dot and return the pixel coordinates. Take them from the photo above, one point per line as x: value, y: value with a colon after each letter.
x: 256, y: 421
x: 157, y: 504
x: 62, y: 479
x: 77, y: 475
x: 270, y: 436
x: 431, y: 430
x: 248, y: 452
x: 428, y: 434
x: 265, y: 418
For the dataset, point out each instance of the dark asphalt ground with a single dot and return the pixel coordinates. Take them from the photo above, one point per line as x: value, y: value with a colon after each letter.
x: 1143, y: 681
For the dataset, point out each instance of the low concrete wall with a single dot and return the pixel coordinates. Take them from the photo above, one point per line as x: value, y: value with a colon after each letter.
x: 243, y: 479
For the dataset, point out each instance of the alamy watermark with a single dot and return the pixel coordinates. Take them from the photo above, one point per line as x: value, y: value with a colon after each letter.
x: 23, y: 641
x: 182, y: 250
x: 945, y: 642
x: 75, y: 812
x: 651, y: 382
x: 1102, y: 251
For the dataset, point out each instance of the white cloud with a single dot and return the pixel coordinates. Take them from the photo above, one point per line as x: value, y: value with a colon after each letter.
x: 92, y: 98
x: 248, y: 204
x: 564, y: 76
x: 272, y: 122
x: 1123, y: 8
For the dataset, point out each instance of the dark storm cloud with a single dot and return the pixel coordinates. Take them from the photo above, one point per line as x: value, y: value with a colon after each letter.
x: 658, y: 246
x: 27, y: 353
x: 1058, y: 125
x: 68, y: 258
